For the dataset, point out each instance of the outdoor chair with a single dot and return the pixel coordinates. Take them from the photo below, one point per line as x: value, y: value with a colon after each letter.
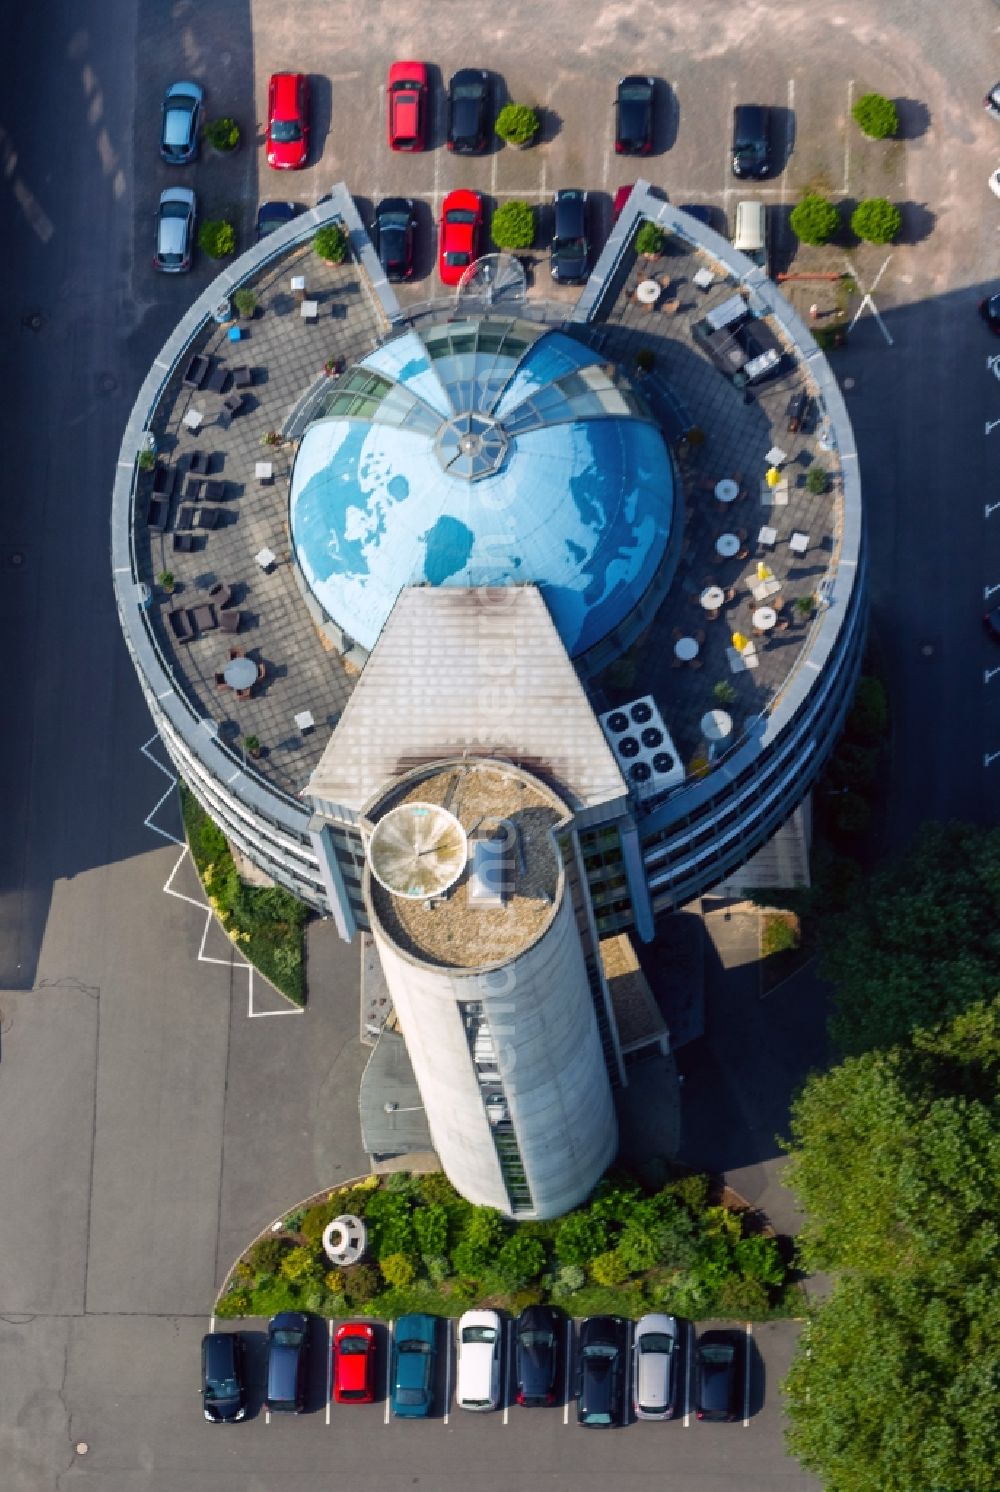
x: 207, y: 518
x: 219, y: 594
x: 193, y: 489
x: 218, y: 379
x: 183, y: 543
x: 242, y: 377
x: 203, y: 617
x: 230, y: 620
x: 234, y: 404
x: 180, y: 624
x: 196, y: 371
x: 156, y: 513
x: 220, y: 681
x: 163, y: 480
x: 216, y: 491
x: 185, y: 518
x: 198, y: 463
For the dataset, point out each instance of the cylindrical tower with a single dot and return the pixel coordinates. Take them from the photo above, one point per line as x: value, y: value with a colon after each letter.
x: 489, y: 984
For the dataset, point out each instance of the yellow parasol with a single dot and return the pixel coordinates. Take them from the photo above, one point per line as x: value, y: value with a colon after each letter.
x: 739, y: 641
x: 763, y: 573
x: 772, y: 476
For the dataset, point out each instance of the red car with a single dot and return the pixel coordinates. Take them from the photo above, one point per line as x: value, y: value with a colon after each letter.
x: 407, y: 105
x: 621, y: 197
x: 458, y: 235
x: 354, y: 1363
x: 287, y: 121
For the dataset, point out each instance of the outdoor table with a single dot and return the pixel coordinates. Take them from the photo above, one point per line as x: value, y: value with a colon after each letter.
x: 686, y: 648
x: 703, y: 278
x: 265, y: 558
x: 647, y: 293
x: 727, y: 490
x: 193, y: 420
x: 764, y: 618
x: 798, y: 543
x: 712, y: 597
x: 727, y: 545
x: 716, y: 725
x: 739, y: 661
x: 304, y: 720
x: 263, y: 471
x: 774, y: 497
x: 776, y: 456
x: 309, y: 310
x: 299, y: 282
x: 240, y: 673
x: 768, y: 537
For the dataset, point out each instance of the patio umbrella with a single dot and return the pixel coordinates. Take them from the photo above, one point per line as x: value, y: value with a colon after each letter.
x: 739, y: 641
x: 772, y: 476
x: 763, y: 573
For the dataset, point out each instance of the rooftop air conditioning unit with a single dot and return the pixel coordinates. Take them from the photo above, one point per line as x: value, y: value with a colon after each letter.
x: 642, y: 746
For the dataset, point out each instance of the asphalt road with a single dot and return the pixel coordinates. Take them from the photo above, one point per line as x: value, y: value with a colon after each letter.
x: 150, y: 1122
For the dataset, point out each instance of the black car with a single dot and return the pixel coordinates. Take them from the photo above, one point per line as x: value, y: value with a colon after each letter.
x: 468, y: 111
x: 392, y: 234
x: 719, y: 1362
x: 991, y: 621
x: 274, y: 215
x: 287, y: 1354
x: 570, y: 249
x: 634, y: 116
x: 536, y: 1355
x: 751, y: 124
x: 223, y: 1395
x: 599, y: 1371
x: 989, y: 310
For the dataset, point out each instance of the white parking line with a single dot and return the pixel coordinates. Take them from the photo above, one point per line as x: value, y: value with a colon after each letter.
x: 329, y: 1368
x: 447, y: 1371
x: 388, y: 1372
x: 569, y: 1364
x: 687, y: 1375
x: 847, y: 137
x: 629, y: 1371
x: 493, y: 174
x: 508, y: 1371
x: 746, y: 1378
x: 789, y: 136
x: 211, y: 1323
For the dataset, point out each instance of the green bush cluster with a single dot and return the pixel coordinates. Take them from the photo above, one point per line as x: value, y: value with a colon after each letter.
x: 628, y: 1250
x: 814, y: 220
x: 223, y: 134
x: 650, y: 240
x: 513, y: 225
x: 266, y: 922
x: 876, y: 220
x: 330, y: 243
x: 216, y: 238
x: 817, y: 480
x: 876, y: 116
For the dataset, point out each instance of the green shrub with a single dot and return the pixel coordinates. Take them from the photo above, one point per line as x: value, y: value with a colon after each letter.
x: 650, y: 240
x: 437, y: 1268
x: 330, y: 243
x: 398, y: 1269
x: 779, y: 936
x: 691, y: 1191
x: 868, y: 719
x: 609, y: 1268
x: 804, y: 606
x: 814, y: 220
x: 877, y: 220
x: 876, y: 116
x: 518, y: 123
x: 435, y: 1187
x: 146, y: 458
x: 389, y: 1221
x: 742, y: 1298
x: 580, y: 1238
x: 817, y: 480
x: 361, y: 1282
x: 852, y: 814
x: 724, y: 692
x: 759, y: 1258
x: 854, y: 766
x: 245, y: 302
x: 216, y: 238
x: 480, y: 1242
x: 401, y: 1183
x: 265, y: 1256
x: 569, y: 1278
x: 234, y: 1303
x: 521, y: 1260
x: 513, y: 226
x: 223, y: 134
x: 303, y: 1265
x: 430, y: 1225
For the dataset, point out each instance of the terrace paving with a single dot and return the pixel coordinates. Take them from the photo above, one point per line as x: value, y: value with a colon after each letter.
x: 685, y: 388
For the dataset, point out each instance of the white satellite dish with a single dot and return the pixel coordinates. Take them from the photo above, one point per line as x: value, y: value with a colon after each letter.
x: 418, y: 850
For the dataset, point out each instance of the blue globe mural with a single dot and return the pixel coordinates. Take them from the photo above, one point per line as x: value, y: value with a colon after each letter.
x: 482, y: 453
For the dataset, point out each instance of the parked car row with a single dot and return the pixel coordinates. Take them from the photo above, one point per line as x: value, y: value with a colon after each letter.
x: 616, y: 1373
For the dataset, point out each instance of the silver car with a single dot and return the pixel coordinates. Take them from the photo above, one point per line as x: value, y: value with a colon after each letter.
x: 181, y: 121
x: 174, y: 230
x: 655, y: 1367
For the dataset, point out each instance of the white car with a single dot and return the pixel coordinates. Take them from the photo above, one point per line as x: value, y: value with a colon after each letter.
x: 655, y: 1367
x: 477, y: 1383
x: 174, y: 230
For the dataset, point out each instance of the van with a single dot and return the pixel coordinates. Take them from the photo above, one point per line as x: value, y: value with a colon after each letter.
x: 750, y: 232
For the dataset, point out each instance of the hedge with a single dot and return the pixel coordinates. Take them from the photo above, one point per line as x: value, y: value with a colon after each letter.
x: 513, y: 226
x: 216, y: 238
x: 330, y: 243
x: 814, y: 220
x: 876, y: 116
x: 517, y: 123
x: 876, y: 220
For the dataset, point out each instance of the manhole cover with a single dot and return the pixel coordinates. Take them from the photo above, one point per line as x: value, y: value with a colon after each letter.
x: 33, y: 321
x: 106, y: 383
x: 13, y: 559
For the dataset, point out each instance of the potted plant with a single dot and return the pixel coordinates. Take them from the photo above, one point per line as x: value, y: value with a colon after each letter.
x: 251, y: 745
x: 330, y: 243
x: 333, y: 365
x: 649, y: 241
x: 245, y: 302
x: 216, y: 238
x: 817, y: 480
x: 270, y: 438
x: 724, y: 692
x: 223, y: 135
x: 166, y: 580
x: 513, y: 226
x: 518, y: 124
x: 147, y: 458
x: 804, y: 607
x: 645, y: 360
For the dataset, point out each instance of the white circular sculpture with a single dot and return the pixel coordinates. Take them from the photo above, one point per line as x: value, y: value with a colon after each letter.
x: 344, y: 1240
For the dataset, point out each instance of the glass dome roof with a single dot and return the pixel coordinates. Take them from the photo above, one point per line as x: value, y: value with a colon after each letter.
x: 480, y: 453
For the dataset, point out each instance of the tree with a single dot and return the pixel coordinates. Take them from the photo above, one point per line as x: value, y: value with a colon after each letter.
x: 920, y: 946
x: 876, y: 220
x: 330, y: 243
x: 430, y: 1224
x: 814, y: 220
x: 480, y: 1242
x: 580, y: 1238
x: 216, y: 238
x: 513, y: 226
x: 517, y: 123
x: 876, y: 116
x: 223, y: 134
x: 650, y: 240
x: 521, y: 1260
